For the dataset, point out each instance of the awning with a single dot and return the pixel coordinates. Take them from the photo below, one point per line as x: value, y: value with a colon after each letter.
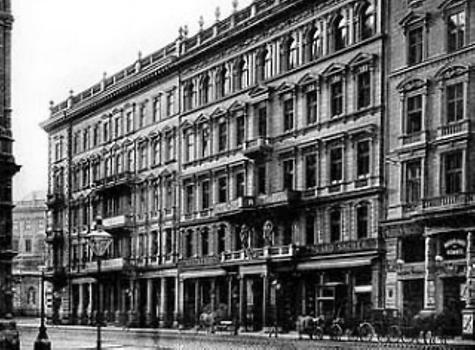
x: 339, y: 263
x: 203, y: 273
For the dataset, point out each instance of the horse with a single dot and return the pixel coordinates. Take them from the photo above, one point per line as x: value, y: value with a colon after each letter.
x: 307, y: 325
x: 209, y: 319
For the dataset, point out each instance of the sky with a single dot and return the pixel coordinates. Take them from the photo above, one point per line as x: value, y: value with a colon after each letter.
x: 63, y: 45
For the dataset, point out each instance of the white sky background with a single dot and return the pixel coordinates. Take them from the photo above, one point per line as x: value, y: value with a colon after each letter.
x: 60, y: 45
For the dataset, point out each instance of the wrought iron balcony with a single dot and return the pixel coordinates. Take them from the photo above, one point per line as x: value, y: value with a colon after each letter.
x: 369, y: 244
x: 110, y: 265
x: 258, y: 147
x: 116, y: 222
x: 235, y: 206
x: 274, y: 252
x: 284, y: 197
x: 113, y: 181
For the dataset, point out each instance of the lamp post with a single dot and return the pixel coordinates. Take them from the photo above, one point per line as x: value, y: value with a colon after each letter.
x: 42, y: 342
x: 98, y: 240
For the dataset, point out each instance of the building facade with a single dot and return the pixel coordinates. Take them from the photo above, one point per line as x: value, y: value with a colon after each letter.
x: 239, y: 171
x: 29, y: 227
x: 7, y: 162
x: 430, y: 155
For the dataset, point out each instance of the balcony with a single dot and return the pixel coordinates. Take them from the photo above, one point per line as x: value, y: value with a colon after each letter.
x: 235, y: 206
x: 277, y: 252
x: 453, y: 201
x: 286, y: 197
x: 257, y: 148
x: 117, y: 222
x: 109, y: 265
x: 55, y: 199
x: 114, y: 181
x: 413, y: 139
x: 369, y: 244
x: 199, y: 261
x: 457, y: 128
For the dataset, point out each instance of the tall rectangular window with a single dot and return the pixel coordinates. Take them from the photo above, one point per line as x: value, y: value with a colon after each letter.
x: 455, y: 102
x: 414, y: 114
x: 261, y: 179
x: 364, y: 89
x: 335, y: 225
x: 363, y: 158
x: 189, y: 138
x: 336, y: 164
x: 312, y: 106
x: 205, y: 195
x: 205, y: 146
x: 413, y: 181
x: 168, y: 194
x: 310, y: 170
x: 456, y: 31
x: 170, y: 103
x: 117, y: 127
x: 288, y: 169
x: 240, y: 185
x: 310, y: 229
x: 288, y: 114
x: 169, y: 150
x: 336, y: 98
x: 415, y: 45
x: 129, y: 121
x: 106, y: 132
x: 189, y: 199
x: 362, y: 221
x: 222, y: 189
x: 240, y: 130
x: 222, y: 136
x: 453, y: 172
x: 157, y: 108
x: 142, y: 116
x: 261, y: 111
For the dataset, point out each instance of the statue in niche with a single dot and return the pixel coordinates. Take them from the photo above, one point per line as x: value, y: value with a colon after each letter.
x: 268, y: 233
x: 245, y: 235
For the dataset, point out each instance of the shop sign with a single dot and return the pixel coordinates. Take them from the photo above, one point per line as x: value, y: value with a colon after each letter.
x: 455, y: 248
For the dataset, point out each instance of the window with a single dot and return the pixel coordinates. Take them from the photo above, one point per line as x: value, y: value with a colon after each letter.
x: 288, y: 114
x: 168, y: 241
x: 117, y: 127
x: 413, y: 181
x: 456, y: 31
x: 364, y: 89
x: 95, y: 135
x: 335, y: 225
x: 118, y: 164
x: 455, y: 102
x: 168, y: 194
x: 189, y: 244
x: 453, y: 172
x: 414, y: 114
x: 204, y: 90
x: 336, y: 164
x: 336, y: 97
x: 240, y: 130
x: 169, y: 149
x: 189, y: 199
x: 157, y: 108
x: 415, y: 45
x: 267, y: 65
x: 142, y: 115
x: 242, y: 74
x: 288, y: 169
x: 156, y: 152
x: 130, y: 161
x: 312, y: 106
x: 240, y: 185
x: 367, y: 21
x: 170, y: 103
x: 85, y: 140
x: 222, y: 136
x: 310, y: 229
x: 105, y: 132
x: 340, y: 30
x: 189, y: 141
x: 222, y: 189
x: 143, y: 156
x: 223, y: 82
x: 31, y: 296
x: 289, y: 54
x: 261, y: 179
x: 76, y: 143
x: 413, y: 249
x: 221, y: 239
x: 261, y: 111
x: 313, y: 45
x: 27, y: 245
x: 156, y: 197
x: 204, y: 242
x: 188, y: 95
x: 205, y: 195
x: 205, y: 145
x: 362, y: 213
x: 311, y: 171
x: 363, y: 158
x: 129, y: 121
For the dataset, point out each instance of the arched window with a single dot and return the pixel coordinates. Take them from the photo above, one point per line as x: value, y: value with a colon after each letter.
x: 204, y: 90
x: 267, y: 64
x: 313, y: 45
x: 367, y: 21
x: 293, y: 53
x: 340, y: 33
x: 242, y: 74
x: 188, y: 95
x: 223, y: 82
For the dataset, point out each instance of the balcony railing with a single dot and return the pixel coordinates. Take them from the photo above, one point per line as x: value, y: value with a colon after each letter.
x: 286, y: 251
x: 116, y: 180
x: 110, y: 265
x: 119, y: 221
x: 234, y: 206
x: 453, y: 200
x: 257, y: 147
x: 280, y: 198
x: 345, y: 247
x: 417, y: 137
x: 455, y: 128
x: 199, y: 261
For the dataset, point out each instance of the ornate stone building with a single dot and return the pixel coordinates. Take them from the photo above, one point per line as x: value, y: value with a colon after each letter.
x: 29, y: 219
x: 7, y: 162
x: 239, y: 170
x: 429, y: 228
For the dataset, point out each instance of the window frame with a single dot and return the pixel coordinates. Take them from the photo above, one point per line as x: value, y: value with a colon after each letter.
x: 450, y: 172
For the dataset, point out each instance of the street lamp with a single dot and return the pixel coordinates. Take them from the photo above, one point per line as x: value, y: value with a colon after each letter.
x: 42, y: 342
x: 99, y: 240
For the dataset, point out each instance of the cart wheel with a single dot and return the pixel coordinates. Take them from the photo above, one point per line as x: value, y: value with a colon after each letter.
x: 365, y: 332
x: 394, y: 334
x: 336, y: 332
x: 318, y: 333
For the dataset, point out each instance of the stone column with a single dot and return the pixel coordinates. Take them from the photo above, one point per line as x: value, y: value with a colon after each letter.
x: 80, y: 311
x: 163, y: 303
x: 429, y: 282
x: 468, y: 314
x: 242, y: 303
x: 112, y: 302
x: 265, y: 297
x: 89, y: 305
x: 132, y: 312
x: 213, y: 294
x: 120, y: 312
x: 197, y: 301
x: 230, y: 297
x: 149, y: 317
x: 180, y: 300
x: 176, y: 304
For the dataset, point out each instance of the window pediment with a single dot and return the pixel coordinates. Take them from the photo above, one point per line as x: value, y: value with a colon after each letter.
x: 362, y: 59
x: 413, y: 18
x: 285, y: 88
x: 237, y: 105
x: 218, y: 112
x: 447, y: 4
x: 412, y: 84
x: 308, y: 79
x: 450, y: 72
x: 185, y: 125
x: 334, y: 69
x: 259, y: 90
